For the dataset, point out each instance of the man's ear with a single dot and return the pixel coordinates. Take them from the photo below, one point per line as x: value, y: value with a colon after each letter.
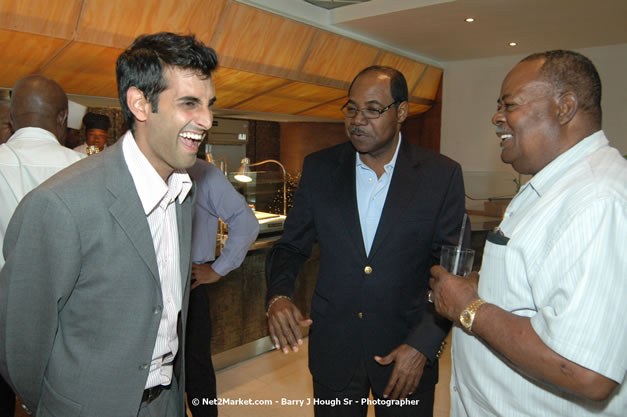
x: 138, y: 104
x: 61, y: 133
x: 567, y: 107
x: 402, y: 111
x: 62, y: 117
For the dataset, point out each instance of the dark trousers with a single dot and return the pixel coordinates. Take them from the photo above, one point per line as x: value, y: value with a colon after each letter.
x: 7, y: 400
x: 350, y: 402
x: 200, y: 377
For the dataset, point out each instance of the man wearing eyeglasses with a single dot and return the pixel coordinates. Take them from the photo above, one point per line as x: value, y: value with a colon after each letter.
x: 380, y: 208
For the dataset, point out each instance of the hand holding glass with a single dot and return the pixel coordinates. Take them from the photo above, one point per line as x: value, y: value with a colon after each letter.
x: 457, y: 260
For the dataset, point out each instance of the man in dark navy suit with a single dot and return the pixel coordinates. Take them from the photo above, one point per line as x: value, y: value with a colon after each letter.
x: 380, y: 209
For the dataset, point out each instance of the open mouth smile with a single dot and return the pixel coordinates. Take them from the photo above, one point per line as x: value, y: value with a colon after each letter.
x: 191, y: 140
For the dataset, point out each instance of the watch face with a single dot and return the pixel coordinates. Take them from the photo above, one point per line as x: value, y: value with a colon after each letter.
x: 465, y: 319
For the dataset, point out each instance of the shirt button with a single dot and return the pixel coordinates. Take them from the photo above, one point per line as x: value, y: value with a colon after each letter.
x: 143, y: 367
x: 368, y: 270
x: 157, y: 310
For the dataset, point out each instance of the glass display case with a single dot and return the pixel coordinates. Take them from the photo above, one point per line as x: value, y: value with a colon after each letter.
x: 265, y: 195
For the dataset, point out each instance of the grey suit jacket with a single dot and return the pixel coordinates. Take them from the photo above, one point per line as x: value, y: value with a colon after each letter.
x: 80, y: 296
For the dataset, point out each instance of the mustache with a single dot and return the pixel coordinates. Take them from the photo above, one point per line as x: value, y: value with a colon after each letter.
x: 356, y: 131
x: 500, y: 130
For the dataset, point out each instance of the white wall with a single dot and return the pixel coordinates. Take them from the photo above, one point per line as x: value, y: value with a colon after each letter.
x: 470, y: 91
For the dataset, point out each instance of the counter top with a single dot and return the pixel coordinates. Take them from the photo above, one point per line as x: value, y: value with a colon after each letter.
x: 263, y: 242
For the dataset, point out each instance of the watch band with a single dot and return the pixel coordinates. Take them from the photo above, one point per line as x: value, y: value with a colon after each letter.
x: 467, y: 317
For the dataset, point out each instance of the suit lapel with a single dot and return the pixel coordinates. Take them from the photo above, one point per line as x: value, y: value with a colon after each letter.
x: 346, y: 196
x: 127, y: 208
x: 183, y: 220
x: 400, y: 195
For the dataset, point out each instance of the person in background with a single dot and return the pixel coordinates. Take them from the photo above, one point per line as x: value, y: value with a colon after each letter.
x: 5, y: 124
x: 380, y: 209
x: 216, y: 199
x: 542, y: 331
x: 96, y: 133
x: 38, y: 112
x: 7, y: 397
x: 94, y: 292
x: 72, y: 138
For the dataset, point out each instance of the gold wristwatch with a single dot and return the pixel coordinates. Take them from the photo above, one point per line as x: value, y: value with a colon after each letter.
x: 468, y: 315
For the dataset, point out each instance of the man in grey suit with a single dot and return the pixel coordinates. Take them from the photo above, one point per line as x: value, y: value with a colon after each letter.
x: 94, y: 292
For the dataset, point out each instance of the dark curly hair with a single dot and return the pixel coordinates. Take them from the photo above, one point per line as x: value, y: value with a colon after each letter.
x: 143, y: 63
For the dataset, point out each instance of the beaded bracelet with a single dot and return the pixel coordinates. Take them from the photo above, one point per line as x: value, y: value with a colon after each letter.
x: 274, y: 300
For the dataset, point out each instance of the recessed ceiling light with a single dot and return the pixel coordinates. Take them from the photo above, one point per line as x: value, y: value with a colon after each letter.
x: 469, y: 19
x: 512, y: 44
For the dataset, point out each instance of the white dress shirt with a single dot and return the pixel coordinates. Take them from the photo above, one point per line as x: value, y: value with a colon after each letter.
x: 158, y: 200
x: 565, y: 267
x: 30, y: 156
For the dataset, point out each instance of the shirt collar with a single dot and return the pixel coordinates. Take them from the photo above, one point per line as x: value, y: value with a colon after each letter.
x: 150, y: 186
x: 548, y: 175
x: 389, y: 167
x: 33, y: 133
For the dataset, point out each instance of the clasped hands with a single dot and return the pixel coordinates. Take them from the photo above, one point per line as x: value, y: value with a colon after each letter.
x: 285, y: 320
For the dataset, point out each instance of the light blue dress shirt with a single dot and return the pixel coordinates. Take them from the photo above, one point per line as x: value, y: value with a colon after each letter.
x: 216, y: 198
x: 371, y: 195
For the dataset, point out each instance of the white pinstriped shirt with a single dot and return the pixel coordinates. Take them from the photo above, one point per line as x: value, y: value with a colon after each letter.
x: 158, y: 201
x: 565, y: 266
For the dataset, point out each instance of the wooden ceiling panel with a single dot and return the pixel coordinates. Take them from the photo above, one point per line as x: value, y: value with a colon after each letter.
x: 23, y: 54
x: 291, y: 98
x: 101, y: 21
x: 272, y: 104
x: 337, y: 58
x: 308, y: 92
x: 267, y: 63
x: 227, y: 99
x: 261, y: 42
x: 328, y: 110
x: 415, y: 108
x: 412, y: 70
x: 56, y: 18
x: 245, y: 82
x: 86, y: 69
x: 429, y: 84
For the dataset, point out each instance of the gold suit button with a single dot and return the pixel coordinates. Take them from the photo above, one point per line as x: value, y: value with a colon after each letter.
x: 360, y: 315
x: 368, y: 270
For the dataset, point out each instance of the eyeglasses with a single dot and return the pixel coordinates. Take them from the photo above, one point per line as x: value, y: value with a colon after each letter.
x: 351, y: 111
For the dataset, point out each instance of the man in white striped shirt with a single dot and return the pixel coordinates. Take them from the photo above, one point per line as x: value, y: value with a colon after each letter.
x: 542, y: 332
x: 94, y: 293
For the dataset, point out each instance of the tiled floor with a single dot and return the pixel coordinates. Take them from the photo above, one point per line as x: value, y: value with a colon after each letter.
x: 274, y: 377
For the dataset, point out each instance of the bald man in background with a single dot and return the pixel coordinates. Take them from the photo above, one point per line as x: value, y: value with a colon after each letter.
x: 7, y: 398
x: 5, y: 126
x: 38, y: 114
